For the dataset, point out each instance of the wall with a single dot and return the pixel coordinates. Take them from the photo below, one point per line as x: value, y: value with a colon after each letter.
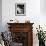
x: 0, y: 15
x: 33, y: 13
x: 43, y: 14
x: 43, y: 6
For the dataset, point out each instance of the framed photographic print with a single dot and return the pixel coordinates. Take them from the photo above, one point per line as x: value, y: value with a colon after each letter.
x: 20, y: 9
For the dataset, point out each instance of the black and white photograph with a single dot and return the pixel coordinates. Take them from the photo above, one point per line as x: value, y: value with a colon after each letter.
x: 20, y: 9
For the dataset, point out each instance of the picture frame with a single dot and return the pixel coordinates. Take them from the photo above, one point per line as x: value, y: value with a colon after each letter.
x: 20, y: 9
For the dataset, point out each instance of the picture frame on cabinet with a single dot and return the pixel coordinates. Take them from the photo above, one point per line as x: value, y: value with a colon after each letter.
x: 20, y: 9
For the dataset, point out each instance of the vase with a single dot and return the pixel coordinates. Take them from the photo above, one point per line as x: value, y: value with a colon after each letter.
x: 41, y: 43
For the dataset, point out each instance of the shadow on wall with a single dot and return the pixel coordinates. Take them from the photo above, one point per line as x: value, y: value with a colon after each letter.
x: 43, y: 6
x: 0, y: 15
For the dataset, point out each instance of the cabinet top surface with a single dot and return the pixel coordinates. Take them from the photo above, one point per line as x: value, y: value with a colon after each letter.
x: 19, y: 23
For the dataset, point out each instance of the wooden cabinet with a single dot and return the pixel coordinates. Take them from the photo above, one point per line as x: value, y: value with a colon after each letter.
x: 22, y: 33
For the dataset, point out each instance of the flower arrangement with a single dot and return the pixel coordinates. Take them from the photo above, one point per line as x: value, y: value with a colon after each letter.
x: 40, y: 34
